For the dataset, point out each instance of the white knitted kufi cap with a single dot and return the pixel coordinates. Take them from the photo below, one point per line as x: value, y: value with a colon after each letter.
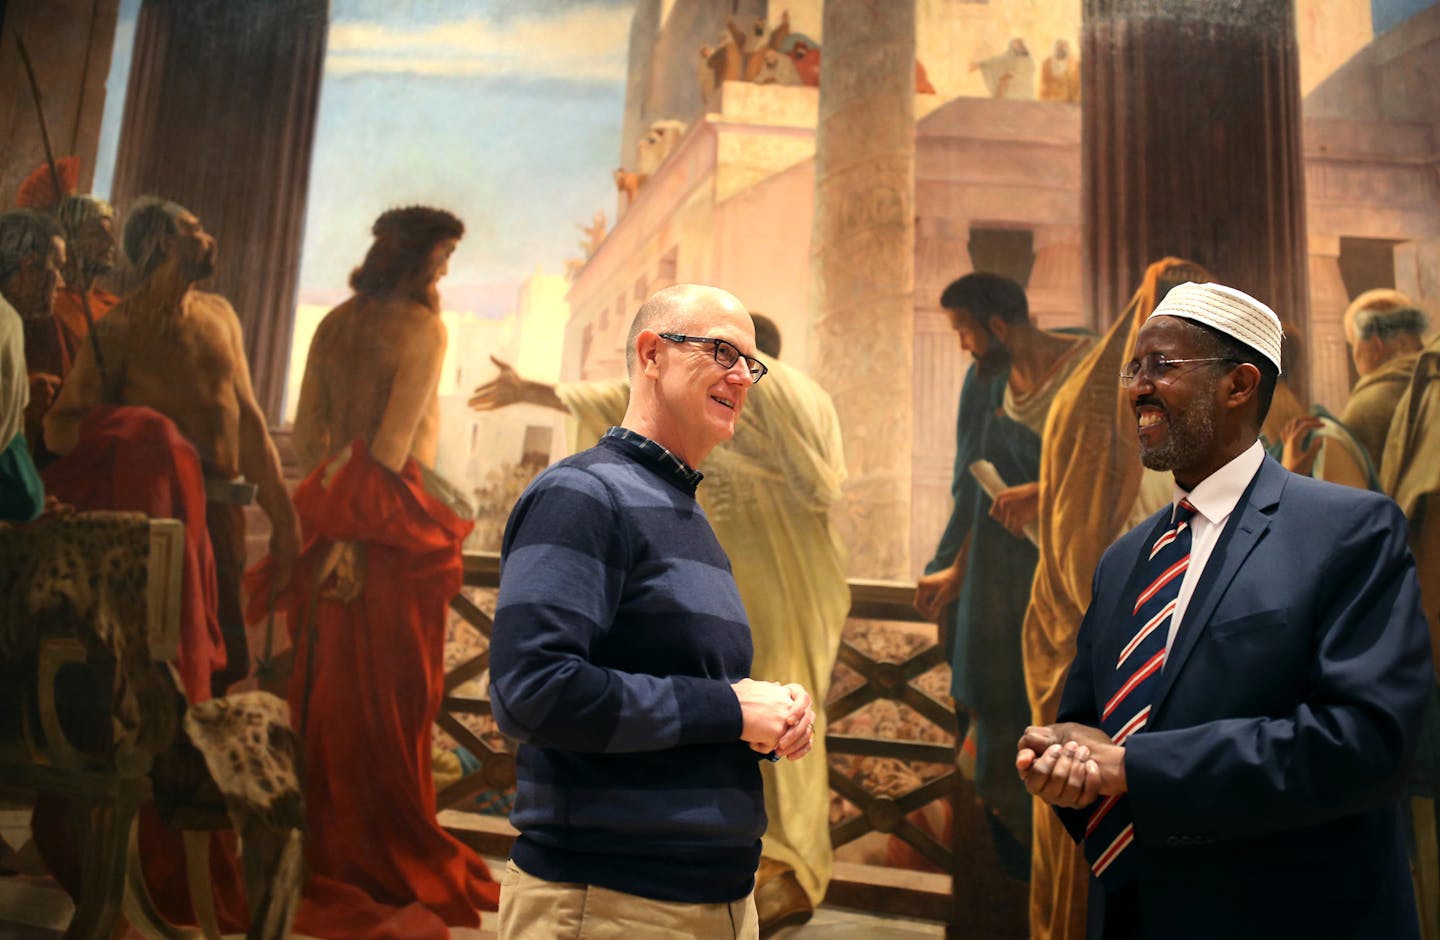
x: 1228, y: 310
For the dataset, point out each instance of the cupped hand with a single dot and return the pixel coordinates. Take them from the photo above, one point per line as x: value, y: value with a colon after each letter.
x: 506, y: 388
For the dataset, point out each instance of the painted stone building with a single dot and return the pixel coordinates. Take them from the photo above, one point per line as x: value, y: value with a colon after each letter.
x: 997, y: 187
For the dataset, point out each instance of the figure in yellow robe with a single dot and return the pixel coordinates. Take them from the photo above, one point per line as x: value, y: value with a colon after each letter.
x: 1410, y: 473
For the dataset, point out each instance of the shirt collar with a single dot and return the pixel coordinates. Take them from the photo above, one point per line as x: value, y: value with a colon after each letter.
x: 1216, y: 496
x: 658, y: 456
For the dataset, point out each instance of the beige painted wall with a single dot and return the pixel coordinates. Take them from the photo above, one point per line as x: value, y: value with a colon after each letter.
x: 69, y: 43
x: 1329, y: 33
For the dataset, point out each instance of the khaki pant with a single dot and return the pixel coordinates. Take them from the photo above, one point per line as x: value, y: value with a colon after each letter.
x: 535, y: 909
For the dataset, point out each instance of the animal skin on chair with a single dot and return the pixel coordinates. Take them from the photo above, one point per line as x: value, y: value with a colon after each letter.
x: 91, y: 628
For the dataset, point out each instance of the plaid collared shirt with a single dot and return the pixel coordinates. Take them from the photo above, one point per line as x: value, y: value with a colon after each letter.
x: 686, y: 473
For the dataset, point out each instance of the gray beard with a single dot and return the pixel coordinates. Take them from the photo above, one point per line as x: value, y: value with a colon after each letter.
x: 1190, y: 435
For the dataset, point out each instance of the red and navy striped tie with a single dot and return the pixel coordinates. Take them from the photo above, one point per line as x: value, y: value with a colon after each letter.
x: 1111, y: 829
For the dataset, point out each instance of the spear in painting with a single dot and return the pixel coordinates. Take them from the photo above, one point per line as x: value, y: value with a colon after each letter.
x: 59, y: 195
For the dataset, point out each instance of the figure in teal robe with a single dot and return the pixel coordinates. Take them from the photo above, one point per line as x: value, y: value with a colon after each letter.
x: 983, y: 634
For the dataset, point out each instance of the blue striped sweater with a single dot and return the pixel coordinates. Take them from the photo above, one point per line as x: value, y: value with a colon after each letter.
x: 618, y: 632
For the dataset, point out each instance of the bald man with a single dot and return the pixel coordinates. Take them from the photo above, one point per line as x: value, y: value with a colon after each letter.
x: 621, y: 659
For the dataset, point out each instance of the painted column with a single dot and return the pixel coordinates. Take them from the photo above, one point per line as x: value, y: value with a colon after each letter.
x: 862, y: 264
x: 1191, y: 147
x: 1324, y: 346
x: 220, y: 117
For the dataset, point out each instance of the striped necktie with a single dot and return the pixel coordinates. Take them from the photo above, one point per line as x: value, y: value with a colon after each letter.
x: 1111, y: 829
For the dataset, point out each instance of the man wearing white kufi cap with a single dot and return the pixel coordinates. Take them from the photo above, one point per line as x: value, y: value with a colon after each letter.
x: 1251, y: 673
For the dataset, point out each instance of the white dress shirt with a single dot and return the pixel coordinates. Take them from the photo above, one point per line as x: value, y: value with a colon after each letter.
x: 1214, y: 498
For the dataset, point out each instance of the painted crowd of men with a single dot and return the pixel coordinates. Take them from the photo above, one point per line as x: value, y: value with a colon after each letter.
x: 87, y: 372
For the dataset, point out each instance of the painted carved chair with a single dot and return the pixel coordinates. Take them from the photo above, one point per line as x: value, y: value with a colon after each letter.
x: 91, y: 712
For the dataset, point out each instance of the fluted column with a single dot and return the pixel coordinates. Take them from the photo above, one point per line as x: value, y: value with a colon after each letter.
x: 1191, y: 147
x: 220, y: 117
x: 862, y: 267
x: 1324, y: 346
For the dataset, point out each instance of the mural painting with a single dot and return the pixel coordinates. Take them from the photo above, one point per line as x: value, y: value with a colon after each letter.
x: 332, y: 281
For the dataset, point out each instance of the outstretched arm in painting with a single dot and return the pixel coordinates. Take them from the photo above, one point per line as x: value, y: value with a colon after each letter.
x: 510, y: 388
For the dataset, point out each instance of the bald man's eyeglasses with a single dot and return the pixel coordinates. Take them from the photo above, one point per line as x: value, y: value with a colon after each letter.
x: 726, y: 353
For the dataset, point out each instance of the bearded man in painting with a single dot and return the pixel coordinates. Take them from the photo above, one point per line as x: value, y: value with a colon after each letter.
x: 178, y: 350
x: 367, y: 605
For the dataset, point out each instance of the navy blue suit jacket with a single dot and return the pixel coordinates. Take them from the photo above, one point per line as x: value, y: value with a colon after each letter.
x: 1265, y: 786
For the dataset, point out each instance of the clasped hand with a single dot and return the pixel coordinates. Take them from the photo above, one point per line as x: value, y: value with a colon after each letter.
x: 346, y: 562
x: 1070, y: 765
x: 779, y: 718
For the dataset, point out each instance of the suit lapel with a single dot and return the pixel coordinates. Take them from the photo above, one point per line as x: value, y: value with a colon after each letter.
x: 1243, y: 531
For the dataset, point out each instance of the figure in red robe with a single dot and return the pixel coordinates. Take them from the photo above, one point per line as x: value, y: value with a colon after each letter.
x: 368, y: 679
x: 368, y: 600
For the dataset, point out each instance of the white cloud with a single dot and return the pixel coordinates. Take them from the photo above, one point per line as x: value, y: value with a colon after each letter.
x: 587, y: 44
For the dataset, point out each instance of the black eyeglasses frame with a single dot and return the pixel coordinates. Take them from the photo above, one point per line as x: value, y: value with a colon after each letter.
x: 755, y: 367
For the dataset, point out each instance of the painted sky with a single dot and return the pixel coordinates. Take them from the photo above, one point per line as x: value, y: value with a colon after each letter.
x: 1388, y: 14
x: 507, y: 114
